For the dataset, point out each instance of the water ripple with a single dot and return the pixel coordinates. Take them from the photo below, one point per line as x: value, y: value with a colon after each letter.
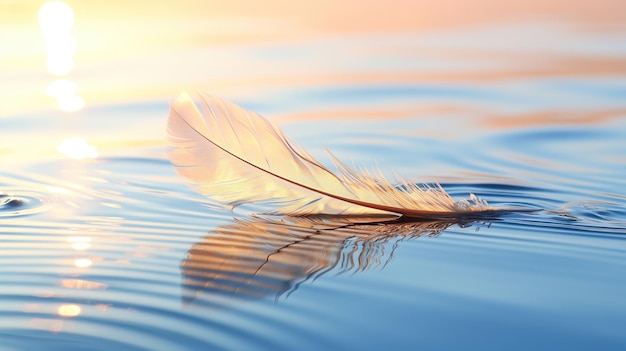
x: 17, y: 202
x: 117, y: 252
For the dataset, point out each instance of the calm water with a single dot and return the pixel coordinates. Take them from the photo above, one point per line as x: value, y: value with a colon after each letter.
x: 114, y: 251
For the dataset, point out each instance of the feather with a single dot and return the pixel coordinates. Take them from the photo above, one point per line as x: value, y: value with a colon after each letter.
x: 236, y: 157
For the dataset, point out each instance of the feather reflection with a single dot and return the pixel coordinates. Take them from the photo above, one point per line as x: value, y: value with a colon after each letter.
x: 255, y: 258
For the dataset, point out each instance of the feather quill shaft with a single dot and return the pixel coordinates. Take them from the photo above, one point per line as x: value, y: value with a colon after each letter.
x: 236, y: 156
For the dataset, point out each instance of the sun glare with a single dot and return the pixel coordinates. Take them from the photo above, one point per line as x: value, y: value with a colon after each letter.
x: 77, y: 149
x: 56, y: 17
x: 64, y: 90
x: 83, y: 263
x: 79, y: 242
x: 56, y: 20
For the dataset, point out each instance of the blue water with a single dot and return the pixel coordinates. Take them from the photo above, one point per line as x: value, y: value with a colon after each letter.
x: 117, y: 252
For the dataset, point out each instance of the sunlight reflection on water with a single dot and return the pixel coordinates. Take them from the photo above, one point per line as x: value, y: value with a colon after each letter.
x: 56, y: 19
x: 77, y: 148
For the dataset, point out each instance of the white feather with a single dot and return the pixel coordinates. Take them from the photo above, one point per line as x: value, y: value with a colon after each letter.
x: 236, y: 156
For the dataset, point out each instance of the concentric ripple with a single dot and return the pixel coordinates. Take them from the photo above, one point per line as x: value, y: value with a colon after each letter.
x: 17, y: 202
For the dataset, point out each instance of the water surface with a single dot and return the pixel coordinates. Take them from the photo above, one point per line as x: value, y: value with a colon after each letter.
x: 103, y: 246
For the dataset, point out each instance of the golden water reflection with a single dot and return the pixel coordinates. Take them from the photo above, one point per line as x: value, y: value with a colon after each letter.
x: 79, y: 242
x: 255, y: 258
x: 69, y: 310
x: 80, y: 284
x: 83, y: 262
x: 129, y: 50
x: 77, y: 148
x: 64, y: 90
x: 56, y: 20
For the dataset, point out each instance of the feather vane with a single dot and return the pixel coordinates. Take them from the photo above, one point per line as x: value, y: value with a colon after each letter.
x: 235, y: 156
